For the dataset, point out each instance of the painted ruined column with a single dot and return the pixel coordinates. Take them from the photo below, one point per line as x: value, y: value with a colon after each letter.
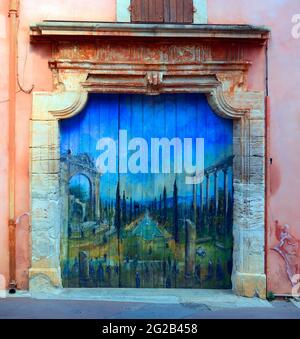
x: 190, y: 248
x: 216, y: 192
x: 225, y: 199
x: 200, y: 213
x: 97, y: 198
x: 207, y: 201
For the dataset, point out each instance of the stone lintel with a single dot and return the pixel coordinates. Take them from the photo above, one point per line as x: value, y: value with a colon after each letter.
x: 51, y: 30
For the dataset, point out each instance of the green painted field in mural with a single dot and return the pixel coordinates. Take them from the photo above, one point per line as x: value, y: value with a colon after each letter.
x: 139, y: 227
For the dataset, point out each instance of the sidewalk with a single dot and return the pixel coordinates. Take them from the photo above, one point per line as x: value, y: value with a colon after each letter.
x: 142, y: 304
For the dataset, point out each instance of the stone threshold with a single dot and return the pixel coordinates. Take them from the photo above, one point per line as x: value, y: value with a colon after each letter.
x: 213, y: 299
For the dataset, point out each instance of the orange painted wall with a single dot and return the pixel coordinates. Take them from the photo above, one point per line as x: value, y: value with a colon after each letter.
x: 284, y: 85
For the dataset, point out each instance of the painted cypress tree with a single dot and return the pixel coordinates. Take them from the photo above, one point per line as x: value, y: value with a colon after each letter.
x: 118, y: 225
x: 110, y: 210
x: 165, y: 204
x: 118, y: 211
x: 192, y: 212
x: 134, y: 210
x: 106, y: 212
x: 112, y: 207
x: 130, y: 210
x: 199, y: 220
x: 124, y: 212
x: 160, y: 206
x: 175, y: 213
x: 100, y: 208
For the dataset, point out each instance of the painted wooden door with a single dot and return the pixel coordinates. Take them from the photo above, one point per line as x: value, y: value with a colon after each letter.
x: 136, y: 210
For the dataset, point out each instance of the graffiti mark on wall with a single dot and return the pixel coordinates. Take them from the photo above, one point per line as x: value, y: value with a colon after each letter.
x: 289, y: 249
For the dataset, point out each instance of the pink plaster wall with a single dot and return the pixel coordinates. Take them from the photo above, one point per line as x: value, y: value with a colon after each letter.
x: 33, y: 70
x: 3, y: 140
x: 284, y: 85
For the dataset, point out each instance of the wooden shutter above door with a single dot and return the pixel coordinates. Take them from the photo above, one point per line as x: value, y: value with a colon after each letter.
x: 162, y: 11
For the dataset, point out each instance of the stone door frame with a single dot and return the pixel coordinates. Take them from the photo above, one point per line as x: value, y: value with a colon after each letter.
x: 151, y: 60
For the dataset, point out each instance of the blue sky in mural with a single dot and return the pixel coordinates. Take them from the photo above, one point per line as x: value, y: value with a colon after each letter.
x: 168, y: 116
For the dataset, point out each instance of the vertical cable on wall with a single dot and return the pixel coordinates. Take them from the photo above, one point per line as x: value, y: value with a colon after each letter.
x: 13, y: 17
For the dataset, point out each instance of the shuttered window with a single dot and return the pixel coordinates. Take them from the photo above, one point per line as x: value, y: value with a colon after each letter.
x: 162, y: 11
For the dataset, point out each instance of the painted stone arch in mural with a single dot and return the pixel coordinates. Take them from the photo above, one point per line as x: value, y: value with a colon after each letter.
x: 224, y: 84
x: 72, y: 167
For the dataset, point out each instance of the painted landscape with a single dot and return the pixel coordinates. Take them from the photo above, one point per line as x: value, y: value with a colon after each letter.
x: 146, y: 230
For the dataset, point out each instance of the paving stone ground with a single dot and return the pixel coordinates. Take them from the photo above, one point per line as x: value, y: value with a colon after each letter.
x: 29, y: 308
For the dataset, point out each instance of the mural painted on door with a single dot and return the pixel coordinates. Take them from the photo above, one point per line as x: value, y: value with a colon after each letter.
x: 139, y: 227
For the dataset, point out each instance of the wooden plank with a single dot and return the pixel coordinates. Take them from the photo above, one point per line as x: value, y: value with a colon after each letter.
x: 160, y: 10
x: 136, y: 10
x: 188, y: 15
x: 173, y: 7
x: 179, y: 11
x: 156, y: 11
x: 145, y: 10
x: 167, y: 11
x: 152, y: 11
